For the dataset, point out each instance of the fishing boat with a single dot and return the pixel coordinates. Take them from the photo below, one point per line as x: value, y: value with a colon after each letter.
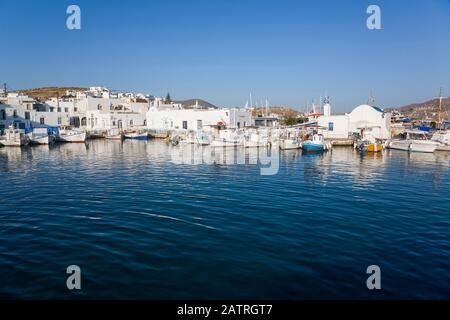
x: 368, y: 144
x: 14, y: 138
x: 415, y: 141
x: 202, y: 138
x: 223, y: 142
x: 443, y: 138
x: 114, y: 134
x: 228, y: 138
x: 136, y: 135
x: 41, y: 136
x: 316, y: 144
x: 256, y: 140
x: 289, y: 144
x: 66, y: 134
x: 96, y: 134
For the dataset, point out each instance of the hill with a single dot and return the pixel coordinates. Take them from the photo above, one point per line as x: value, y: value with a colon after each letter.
x: 427, y: 110
x: 43, y: 94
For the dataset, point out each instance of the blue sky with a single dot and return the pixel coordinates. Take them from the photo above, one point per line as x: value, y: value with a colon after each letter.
x: 289, y: 52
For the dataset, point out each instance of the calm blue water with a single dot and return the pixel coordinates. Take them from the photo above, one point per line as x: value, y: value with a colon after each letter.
x: 140, y: 226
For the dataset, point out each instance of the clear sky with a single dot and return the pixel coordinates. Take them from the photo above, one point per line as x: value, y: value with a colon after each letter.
x: 221, y: 50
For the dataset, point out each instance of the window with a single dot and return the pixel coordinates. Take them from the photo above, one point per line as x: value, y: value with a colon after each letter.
x: 145, y: 122
x: 185, y: 126
x: 131, y: 123
x: 238, y: 124
x: 42, y: 121
x: 2, y: 115
x: 59, y: 109
x: 330, y: 126
x: 75, y: 109
x: 199, y: 124
x: 59, y: 120
x: 27, y: 115
x: 66, y: 109
x: 15, y: 114
x: 99, y: 107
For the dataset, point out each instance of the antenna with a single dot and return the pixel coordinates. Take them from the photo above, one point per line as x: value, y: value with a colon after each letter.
x: 371, y: 100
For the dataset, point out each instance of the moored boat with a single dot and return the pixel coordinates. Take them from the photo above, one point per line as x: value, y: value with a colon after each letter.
x: 72, y: 136
x: 114, y: 134
x: 14, y: 138
x: 289, y: 144
x: 316, y: 144
x: 415, y: 141
x: 41, y: 136
x: 136, y: 135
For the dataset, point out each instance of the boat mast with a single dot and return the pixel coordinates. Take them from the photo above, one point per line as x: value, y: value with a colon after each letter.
x: 440, y: 108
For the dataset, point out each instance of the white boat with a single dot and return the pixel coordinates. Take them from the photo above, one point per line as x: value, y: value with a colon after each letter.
x: 40, y: 136
x: 426, y: 146
x: 399, y: 144
x: 14, y: 138
x: 256, y: 140
x: 114, y: 134
x: 415, y: 141
x: 443, y: 138
x: 66, y: 134
x: 228, y: 138
x: 202, y: 138
x: 136, y: 135
x: 223, y: 142
x: 40, y: 139
x: 289, y: 144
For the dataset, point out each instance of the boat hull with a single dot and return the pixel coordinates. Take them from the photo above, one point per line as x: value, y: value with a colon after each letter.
x: 289, y: 145
x: 136, y: 136
x: 226, y: 143
x: 72, y: 138
x: 402, y: 145
x: 41, y: 140
x: 312, y: 147
x: 423, y: 146
x: 114, y: 137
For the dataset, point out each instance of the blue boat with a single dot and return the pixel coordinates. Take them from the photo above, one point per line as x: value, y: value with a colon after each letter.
x: 136, y: 135
x: 315, y: 145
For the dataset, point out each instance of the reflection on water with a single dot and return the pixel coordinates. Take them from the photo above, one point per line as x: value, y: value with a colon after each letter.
x: 130, y: 215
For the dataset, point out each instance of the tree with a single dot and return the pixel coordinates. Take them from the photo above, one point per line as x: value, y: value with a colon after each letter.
x: 168, y: 99
x: 289, y: 118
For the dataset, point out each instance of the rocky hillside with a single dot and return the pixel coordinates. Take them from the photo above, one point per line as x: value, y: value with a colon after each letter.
x: 43, y: 94
x: 427, y: 110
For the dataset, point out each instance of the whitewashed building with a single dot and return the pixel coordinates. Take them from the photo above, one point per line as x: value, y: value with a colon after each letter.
x: 175, y: 117
x: 371, y: 119
x: 25, y: 113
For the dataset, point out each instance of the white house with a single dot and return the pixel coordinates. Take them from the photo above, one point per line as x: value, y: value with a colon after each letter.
x: 196, y: 118
x: 364, y: 117
x: 25, y: 112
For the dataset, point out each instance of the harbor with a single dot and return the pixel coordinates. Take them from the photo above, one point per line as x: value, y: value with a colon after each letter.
x: 102, y: 113
x: 138, y: 215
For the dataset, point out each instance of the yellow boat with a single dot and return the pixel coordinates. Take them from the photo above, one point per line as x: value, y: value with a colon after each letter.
x: 374, y: 147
